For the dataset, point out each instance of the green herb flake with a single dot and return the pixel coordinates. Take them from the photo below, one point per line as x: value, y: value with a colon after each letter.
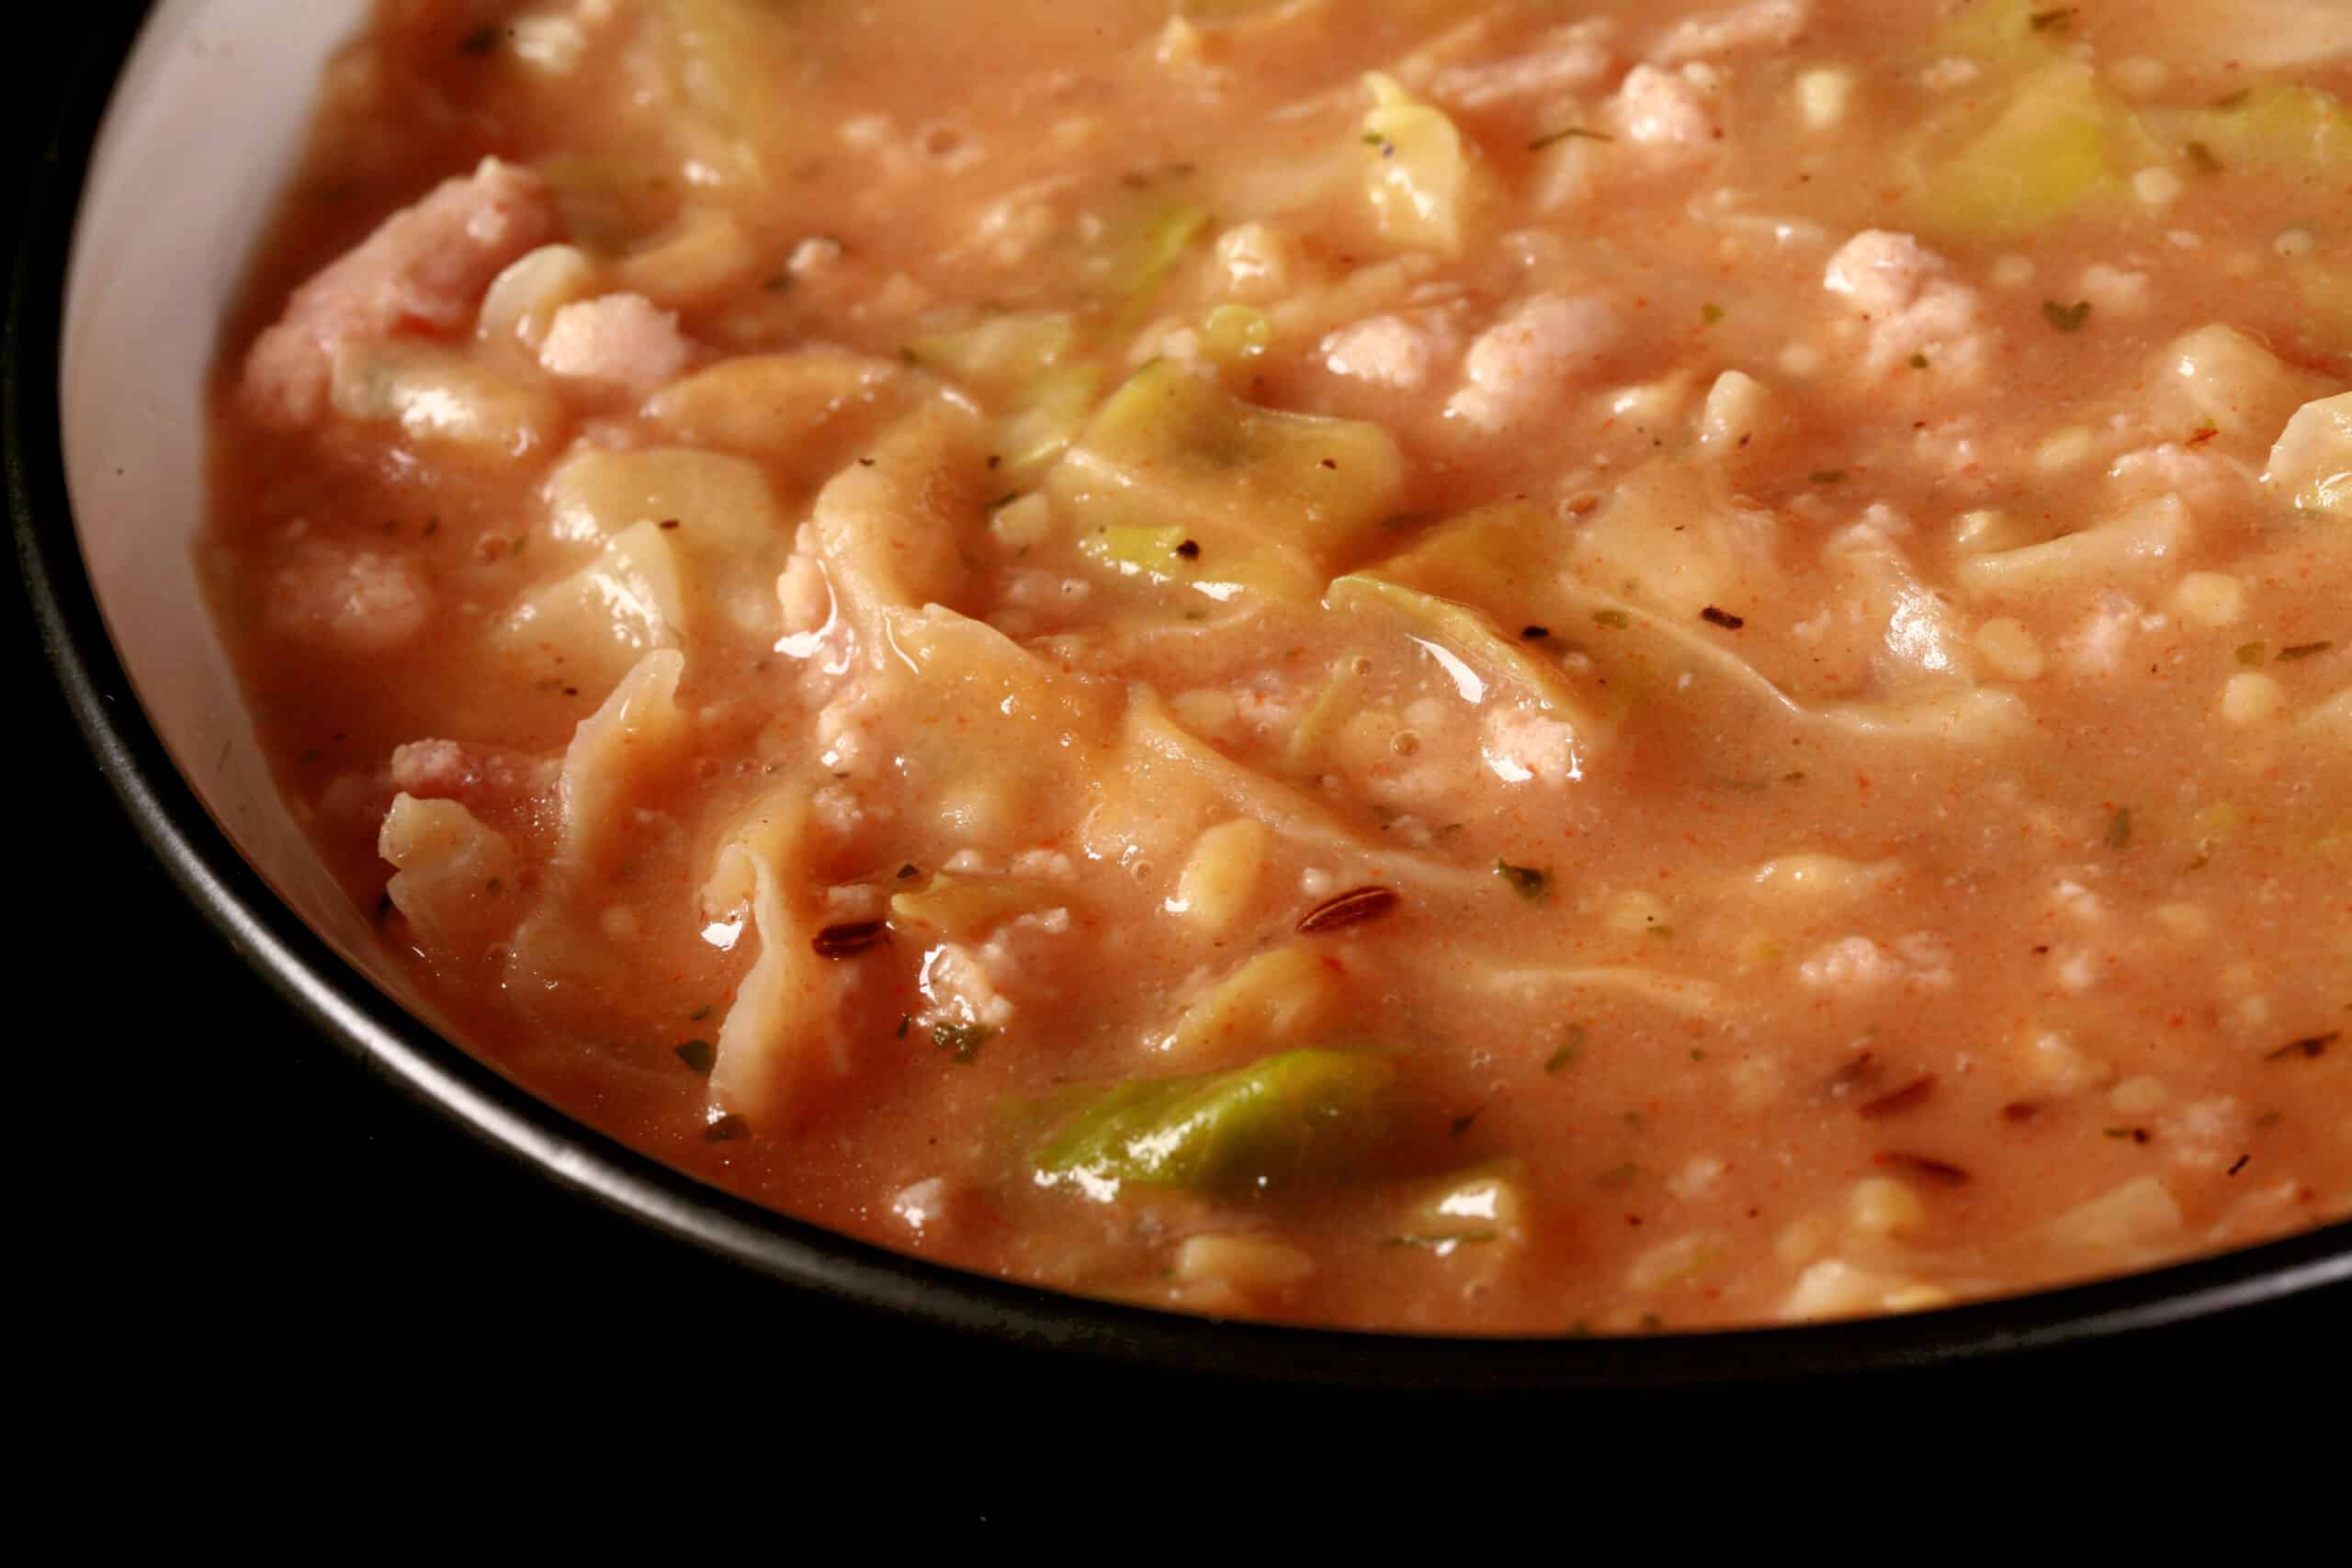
x: 1918, y: 362
x: 1464, y: 1122
x: 1527, y: 881
x: 1711, y: 313
x: 2201, y: 158
x: 2303, y: 650
x: 962, y: 1041
x: 1571, y: 1050
x: 2235, y: 100
x: 905, y: 1022
x: 1617, y: 620
x: 1617, y: 1177
x: 727, y: 1130
x: 777, y: 283
x: 2065, y: 318
x: 700, y: 1014
x: 1826, y: 477
x: 699, y: 1056
x: 480, y: 41
x: 2057, y: 20
x: 2119, y: 828
x: 1573, y: 133
x: 2252, y: 654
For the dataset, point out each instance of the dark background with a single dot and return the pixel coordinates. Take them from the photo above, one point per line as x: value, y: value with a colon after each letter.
x: 245, y: 1207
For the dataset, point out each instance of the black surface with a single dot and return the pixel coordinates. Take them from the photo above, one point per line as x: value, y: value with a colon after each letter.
x: 292, y: 1214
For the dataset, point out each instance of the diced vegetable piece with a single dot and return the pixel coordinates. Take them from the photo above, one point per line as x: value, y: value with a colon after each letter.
x: 1046, y: 416
x: 716, y: 502
x: 1273, y: 1000
x: 1148, y: 252
x: 2233, y: 383
x: 2005, y: 35
x: 1296, y: 1117
x: 439, y: 396
x: 2283, y: 127
x: 1012, y: 348
x: 1235, y: 334
x: 1272, y: 499
x: 1149, y: 551
x: 774, y: 405
x: 2310, y: 464
x: 2060, y: 139
x: 1220, y: 876
x: 723, y: 61
x: 594, y: 623
x: 1470, y: 648
x: 962, y: 907
x: 1418, y: 168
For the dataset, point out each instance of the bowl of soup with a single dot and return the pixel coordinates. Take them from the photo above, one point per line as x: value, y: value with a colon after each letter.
x: 1564, y: 693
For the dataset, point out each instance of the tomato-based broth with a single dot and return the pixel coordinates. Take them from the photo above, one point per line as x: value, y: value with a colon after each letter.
x: 1512, y: 666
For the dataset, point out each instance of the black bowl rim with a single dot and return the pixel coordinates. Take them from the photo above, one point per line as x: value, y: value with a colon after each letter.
x: 349, y: 1010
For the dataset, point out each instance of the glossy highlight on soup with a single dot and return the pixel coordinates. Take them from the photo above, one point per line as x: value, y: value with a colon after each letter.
x: 1479, y: 665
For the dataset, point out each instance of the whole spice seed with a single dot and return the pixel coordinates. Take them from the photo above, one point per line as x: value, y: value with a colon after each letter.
x: 1723, y: 618
x: 1926, y: 1167
x: 1354, y: 907
x: 850, y: 940
x: 1895, y: 1102
x: 2309, y: 1045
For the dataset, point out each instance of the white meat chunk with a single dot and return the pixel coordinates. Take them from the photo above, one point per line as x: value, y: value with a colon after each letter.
x: 623, y: 342
x: 1561, y: 60
x: 1767, y: 23
x: 424, y: 271
x: 1661, y: 108
x: 453, y: 770
x: 348, y: 602
x: 1389, y: 350
x: 1523, y: 362
x: 1911, y: 303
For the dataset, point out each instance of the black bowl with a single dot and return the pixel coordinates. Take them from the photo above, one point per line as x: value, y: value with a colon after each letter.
x: 344, y: 1008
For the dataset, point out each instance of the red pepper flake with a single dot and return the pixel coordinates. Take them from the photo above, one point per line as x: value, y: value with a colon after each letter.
x: 727, y: 1130
x: 2310, y: 1045
x: 667, y: 523
x: 2136, y: 1135
x: 1352, y: 907
x: 1895, y: 1102
x: 1926, y: 1167
x: 850, y: 940
x: 1723, y: 618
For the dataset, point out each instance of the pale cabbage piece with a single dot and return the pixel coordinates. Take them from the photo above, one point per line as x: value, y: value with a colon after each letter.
x: 799, y: 408
x: 2137, y: 1218
x: 1164, y: 786
x: 996, y: 747
x: 780, y: 1028
x: 638, y: 727
x: 888, y: 525
x: 1275, y: 502
x: 1509, y: 556
x: 2233, y: 383
x: 1475, y: 654
x: 2146, y: 541
x: 1813, y: 876
x: 440, y: 398
x: 594, y: 623
x: 1673, y: 538
x: 1922, y: 647
x: 722, y: 64
x: 2310, y: 463
x: 2062, y: 140
x: 702, y: 259
x: 1277, y: 1000
x: 454, y: 877
x: 721, y: 504
x: 1421, y: 172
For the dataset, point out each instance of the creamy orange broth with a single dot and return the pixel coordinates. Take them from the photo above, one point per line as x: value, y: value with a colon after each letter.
x: 1706, y: 649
